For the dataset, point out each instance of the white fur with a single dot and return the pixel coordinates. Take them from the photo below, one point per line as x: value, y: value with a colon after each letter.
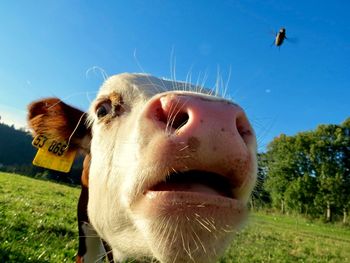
x: 129, y: 154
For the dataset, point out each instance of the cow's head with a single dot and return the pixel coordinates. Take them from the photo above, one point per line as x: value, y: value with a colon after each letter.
x: 172, y: 166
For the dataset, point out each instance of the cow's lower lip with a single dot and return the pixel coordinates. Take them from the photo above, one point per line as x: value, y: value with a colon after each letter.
x: 158, y: 203
x: 189, y: 197
x: 190, y: 192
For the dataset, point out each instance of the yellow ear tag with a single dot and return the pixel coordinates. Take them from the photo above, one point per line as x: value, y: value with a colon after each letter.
x: 53, y: 154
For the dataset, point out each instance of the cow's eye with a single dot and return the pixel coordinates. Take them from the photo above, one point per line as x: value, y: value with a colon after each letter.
x: 103, y: 109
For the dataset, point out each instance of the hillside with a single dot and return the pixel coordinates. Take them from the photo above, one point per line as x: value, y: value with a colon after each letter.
x: 38, y: 222
x: 15, y: 145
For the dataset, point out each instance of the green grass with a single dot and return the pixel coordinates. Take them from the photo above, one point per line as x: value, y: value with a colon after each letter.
x: 38, y: 224
x: 277, y: 238
x: 37, y: 220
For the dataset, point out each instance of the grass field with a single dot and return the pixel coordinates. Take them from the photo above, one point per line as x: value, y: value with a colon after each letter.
x: 37, y: 222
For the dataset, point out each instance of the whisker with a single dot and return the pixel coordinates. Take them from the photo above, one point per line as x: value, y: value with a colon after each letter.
x: 184, y: 148
x: 203, y: 225
x: 97, y: 68
x: 75, y: 129
x: 146, y: 75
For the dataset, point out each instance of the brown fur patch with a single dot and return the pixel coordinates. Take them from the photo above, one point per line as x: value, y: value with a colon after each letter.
x: 85, y: 174
x: 57, y: 120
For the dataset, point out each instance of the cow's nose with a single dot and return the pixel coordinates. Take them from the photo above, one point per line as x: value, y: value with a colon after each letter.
x: 185, y: 115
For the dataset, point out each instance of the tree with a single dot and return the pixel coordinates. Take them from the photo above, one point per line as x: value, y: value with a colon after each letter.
x: 345, y: 149
x: 281, y: 168
x: 260, y: 197
x: 300, y: 195
x: 310, y: 172
x: 328, y: 155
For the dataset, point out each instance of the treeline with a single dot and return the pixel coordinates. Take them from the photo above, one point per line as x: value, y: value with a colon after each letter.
x: 308, y: 173
x: 17, y: 154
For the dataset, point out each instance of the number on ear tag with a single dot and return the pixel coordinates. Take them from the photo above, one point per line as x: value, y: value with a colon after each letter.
x: 53, y: 154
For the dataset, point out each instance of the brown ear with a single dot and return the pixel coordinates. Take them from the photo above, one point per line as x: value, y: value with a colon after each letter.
x: 57, y: 120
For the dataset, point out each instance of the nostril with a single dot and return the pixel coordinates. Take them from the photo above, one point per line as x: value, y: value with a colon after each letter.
x: 174, y: 119
x: 178, y: 120
x: 243, y: 127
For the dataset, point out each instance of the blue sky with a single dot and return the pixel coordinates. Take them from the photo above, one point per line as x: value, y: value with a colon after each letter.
x: 50, y: 48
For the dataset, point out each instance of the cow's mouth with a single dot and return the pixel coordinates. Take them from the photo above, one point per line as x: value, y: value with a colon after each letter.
x: 195, y: 181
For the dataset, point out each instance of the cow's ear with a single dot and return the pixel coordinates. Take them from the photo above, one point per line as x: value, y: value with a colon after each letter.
x: 57, y: 120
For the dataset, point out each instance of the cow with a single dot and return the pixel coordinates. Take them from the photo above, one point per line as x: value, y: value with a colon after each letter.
x: 169, y: 168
